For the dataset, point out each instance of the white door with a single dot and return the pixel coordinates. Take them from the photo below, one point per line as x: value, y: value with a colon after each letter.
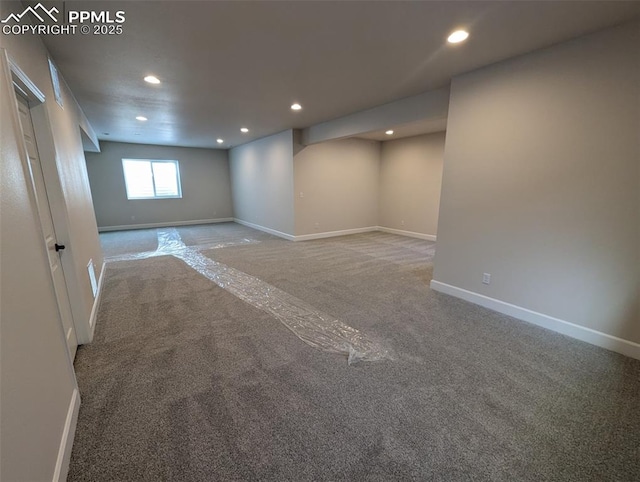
x: 54, y: 250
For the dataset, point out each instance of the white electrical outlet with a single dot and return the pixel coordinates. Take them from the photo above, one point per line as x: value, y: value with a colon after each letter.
x: 486, y: 278
x: 301, y: 194
x: 402, y: 223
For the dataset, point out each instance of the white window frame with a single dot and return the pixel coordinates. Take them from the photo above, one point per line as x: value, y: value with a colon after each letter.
x: 155, y: 196
x: 56, y: 82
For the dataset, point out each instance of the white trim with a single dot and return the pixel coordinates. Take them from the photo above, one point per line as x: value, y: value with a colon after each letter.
x: 96, y: 301
x: 302, y: 237
x: 583, y: 333
x: 265, y: 229
x: 411, y: 234
x: 125, y: 227
x: 345, y: 232
x: 331, y: 234
x: 24, y: 82
x: 66, y: 442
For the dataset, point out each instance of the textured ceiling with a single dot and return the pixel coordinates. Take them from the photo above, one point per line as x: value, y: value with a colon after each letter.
x: 225, y: 65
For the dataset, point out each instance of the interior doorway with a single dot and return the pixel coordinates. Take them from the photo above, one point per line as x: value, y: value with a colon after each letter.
x: 26, y: 100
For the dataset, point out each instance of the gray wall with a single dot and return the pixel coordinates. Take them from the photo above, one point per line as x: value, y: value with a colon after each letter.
x: 37, y: 380
x: 431, y: 105
x: 262, y: 182
x: 339, y: 181
x: 37, y: 383
x: 68, y: 187
x: 204, y: 174
x: 410, y: 181
x: 541, y: 182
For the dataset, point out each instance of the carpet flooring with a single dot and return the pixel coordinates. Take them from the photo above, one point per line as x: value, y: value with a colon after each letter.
x: 186, y: 382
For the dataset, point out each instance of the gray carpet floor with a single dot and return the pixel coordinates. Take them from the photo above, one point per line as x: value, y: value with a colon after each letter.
x: 186, y: 382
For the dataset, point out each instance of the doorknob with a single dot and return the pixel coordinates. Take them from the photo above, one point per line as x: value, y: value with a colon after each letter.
x: 59, y: 247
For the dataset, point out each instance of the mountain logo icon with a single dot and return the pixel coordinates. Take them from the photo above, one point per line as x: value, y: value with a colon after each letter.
x: 34, y: 11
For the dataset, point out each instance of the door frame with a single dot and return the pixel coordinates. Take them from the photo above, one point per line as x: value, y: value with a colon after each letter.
x: 73, y: 268
x: 11, y: 73
x: 19, y: 81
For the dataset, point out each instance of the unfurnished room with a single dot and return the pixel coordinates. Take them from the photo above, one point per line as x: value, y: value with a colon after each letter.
x: 320, y: 240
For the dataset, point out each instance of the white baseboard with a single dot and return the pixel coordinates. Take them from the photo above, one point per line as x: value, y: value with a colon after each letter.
x: 265, y: 229
x: 66, y: 442
x: 125, y: 227
x: 619, y: 345
x: 411, y: 234
x: 345, y: 232
x: 331, y: 234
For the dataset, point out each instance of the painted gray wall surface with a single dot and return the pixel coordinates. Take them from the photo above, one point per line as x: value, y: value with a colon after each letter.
x: 204, y: 175
x: 429, y: 105
x: 541, y: 183
x: 410, y: 182
x: 339, y: 181
x: 37, y: 380
x: 37, y: 383
x: 73, y: 212
x: 262, y: 182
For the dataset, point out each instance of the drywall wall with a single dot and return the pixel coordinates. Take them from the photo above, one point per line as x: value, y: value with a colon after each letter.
x: 37, y: 384
x: 429, y: 105
x: 262, y: 183
x: 66, y: 176
x: 410, y: 182
x: 541, y: 183
x: 336, y: 186
x: 204, y: 175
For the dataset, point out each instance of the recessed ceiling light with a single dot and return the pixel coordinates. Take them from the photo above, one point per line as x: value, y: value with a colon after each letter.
x: 152, y: 79
x: 458, y: 36
x: 141, y: 118
x: 296, y: 107
x: 389, y: 132
x: 244, y: 129
x: 219, y: 141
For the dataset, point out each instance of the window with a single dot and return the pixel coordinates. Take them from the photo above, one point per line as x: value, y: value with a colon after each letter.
x: 55, y: 81
x: 151, y: 179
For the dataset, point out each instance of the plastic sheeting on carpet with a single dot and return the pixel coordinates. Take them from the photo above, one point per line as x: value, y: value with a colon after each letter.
x: 315, y: 328
x: 167, y: 250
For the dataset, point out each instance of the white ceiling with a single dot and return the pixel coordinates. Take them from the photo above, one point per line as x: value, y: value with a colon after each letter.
x: 225, y: 65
